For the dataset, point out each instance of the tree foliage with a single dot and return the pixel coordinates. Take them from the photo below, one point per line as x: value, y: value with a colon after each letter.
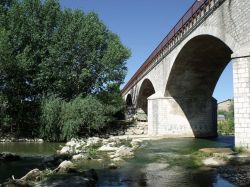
x: 45, y: 51
x: 226, y: 127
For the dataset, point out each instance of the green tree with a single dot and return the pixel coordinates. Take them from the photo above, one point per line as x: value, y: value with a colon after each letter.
x: 45, y: 50
x: 227, y: 127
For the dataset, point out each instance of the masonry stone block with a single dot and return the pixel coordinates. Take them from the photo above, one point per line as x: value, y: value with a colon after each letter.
x: 185, y: 73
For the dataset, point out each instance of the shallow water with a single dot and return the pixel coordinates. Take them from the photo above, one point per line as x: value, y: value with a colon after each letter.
x: 30, y: 149
x: 166, y: 162
x: 32, y: 153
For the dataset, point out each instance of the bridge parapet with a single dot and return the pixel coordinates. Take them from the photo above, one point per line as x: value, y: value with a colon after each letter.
x: 195, y: 15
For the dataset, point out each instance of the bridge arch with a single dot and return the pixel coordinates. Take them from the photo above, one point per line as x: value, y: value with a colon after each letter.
x: 129, y: 101
x: 193, y: 78
x: 146, y: 89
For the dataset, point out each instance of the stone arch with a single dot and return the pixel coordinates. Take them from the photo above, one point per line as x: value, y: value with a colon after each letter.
x: 129, y: 101
x: 146, y: 89
x: 192, y: 80
x: 213, y: 31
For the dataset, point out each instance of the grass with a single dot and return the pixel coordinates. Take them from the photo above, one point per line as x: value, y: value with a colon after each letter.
x: 239, y: 150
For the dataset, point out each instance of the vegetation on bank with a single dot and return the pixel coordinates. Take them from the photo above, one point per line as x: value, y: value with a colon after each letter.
x: 226, y: 127
x: 60, y: 70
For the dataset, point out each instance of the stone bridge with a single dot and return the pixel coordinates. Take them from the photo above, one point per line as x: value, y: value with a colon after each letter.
x: 174, y: 86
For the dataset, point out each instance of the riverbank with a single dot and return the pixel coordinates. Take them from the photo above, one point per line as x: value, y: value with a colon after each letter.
x: 112, y: 151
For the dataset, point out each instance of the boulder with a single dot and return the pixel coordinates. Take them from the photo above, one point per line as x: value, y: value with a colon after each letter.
x: 117, y: 159
x: 138, y: 131
x: 140, y: 115
x: 107, y: 148
x: 66, y: 150
x: 114, y: 140
x: 65, y: 167
x: 124, y: 152
x: 94, y: 142
x: 72, y: 142
x: 55, y: 160
x: 213, y: 162
x: 80, y: 156
x: 33, y: 175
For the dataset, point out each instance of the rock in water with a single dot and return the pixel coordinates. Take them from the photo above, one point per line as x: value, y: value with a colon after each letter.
x: 112, y: 166
x: 65, y: 167
x: 213, y: 162
x: 124, y: 152
x: 33, y: 175
x: 94, y: 142
x: 80, y: 156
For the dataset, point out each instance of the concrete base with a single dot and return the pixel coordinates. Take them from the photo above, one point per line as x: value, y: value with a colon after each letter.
x: 182, y: 117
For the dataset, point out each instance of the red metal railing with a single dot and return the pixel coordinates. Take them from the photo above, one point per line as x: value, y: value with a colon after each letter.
x: 188, y: 16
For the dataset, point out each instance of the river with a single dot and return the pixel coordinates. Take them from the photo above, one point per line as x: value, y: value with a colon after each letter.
x: 166, y: 162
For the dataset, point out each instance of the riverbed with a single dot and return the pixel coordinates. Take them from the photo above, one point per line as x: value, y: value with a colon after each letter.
x: 166, y: 162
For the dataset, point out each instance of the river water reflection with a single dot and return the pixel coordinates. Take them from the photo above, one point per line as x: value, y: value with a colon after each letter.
x: 32, y: 153
x: 166, y: 162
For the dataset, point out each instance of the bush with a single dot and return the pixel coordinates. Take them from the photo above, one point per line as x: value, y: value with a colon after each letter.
x: 46, y: 49
x: 51, y: 118
x: 82, y: 115
x: 226, y: 127
x: 63, y: 120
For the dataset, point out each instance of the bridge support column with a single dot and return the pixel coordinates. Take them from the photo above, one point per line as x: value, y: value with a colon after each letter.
x: 182, y: 117
x: 241, y: 78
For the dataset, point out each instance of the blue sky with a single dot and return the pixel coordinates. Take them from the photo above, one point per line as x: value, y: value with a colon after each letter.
x: 141, y: 25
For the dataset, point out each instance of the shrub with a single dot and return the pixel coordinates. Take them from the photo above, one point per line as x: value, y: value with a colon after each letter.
x: 82, y: 115
x: 61, y: 120
x: 226, y: 127
x: 50, y: 128
x: 239, y: 150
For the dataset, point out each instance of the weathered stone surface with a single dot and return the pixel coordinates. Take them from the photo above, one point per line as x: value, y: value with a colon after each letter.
x: 213, y: 162
x: 175, y: 89
x: 80, y: 156
x: 65, y: 167
x: 33, y: 175
x: 66, y: 150
x: 124, y: 152
x: 94, y: 142
x: 217, y: 151
x: 107, y: 148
